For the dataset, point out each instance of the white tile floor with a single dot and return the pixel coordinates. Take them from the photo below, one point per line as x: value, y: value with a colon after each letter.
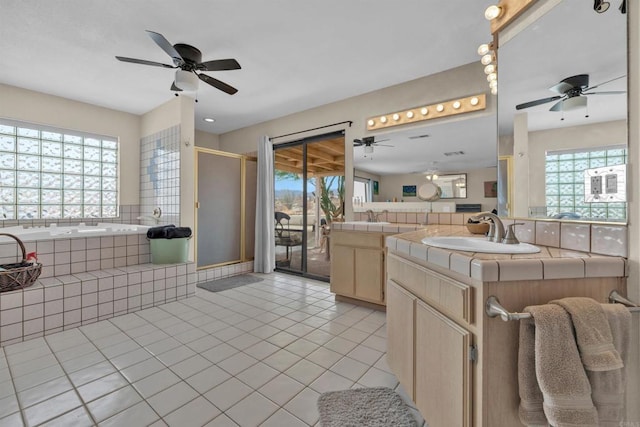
x: 259, y: 354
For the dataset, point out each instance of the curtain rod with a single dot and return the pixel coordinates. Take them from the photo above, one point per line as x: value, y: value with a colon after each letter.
x: 308, y: 130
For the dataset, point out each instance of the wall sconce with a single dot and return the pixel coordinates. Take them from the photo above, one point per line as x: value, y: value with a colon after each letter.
x: 428, y: 112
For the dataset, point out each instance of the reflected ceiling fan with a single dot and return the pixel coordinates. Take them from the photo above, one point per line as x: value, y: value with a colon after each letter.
x: 572, y: 92
x: 188, y: 60
x: 368, y: 142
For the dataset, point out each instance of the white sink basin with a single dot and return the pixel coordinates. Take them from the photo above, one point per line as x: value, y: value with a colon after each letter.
x: 366, y: 223
x: 472, y: 244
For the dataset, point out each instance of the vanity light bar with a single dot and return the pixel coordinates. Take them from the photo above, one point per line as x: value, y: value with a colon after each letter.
x: 428, y: 112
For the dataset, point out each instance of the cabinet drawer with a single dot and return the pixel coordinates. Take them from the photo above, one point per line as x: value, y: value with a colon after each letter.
x: 448, y: 295
x: 354, y: 238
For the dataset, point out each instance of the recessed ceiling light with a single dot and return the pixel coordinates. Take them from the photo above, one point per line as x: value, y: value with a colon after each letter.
x: 209, y: 120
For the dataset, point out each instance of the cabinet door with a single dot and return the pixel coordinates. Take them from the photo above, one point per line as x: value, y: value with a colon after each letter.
x: 342, y: 270
x: 368, y: 279
x: 400, y: 335
x: 443, y: 374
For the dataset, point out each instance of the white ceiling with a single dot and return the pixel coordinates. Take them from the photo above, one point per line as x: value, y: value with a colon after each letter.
x: 297, y: 55
x: 294, y: 54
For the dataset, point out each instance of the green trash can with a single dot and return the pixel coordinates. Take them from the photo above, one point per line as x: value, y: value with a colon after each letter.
x: 169, y: 251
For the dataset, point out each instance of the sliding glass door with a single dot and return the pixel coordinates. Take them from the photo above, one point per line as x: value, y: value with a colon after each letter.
x: 309, y: 196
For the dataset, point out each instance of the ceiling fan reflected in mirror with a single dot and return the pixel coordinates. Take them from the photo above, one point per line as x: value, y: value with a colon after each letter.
x: 188, y: 62
x: 368, y: 142
x: 572, y: 94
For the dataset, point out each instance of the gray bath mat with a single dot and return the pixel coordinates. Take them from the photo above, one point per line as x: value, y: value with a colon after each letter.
x: 370, y: 407
x: 229, y: 283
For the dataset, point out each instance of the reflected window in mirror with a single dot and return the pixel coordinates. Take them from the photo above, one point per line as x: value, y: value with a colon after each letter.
x: 452, y: 186
x: 362, y: 190
x: 565, y: 192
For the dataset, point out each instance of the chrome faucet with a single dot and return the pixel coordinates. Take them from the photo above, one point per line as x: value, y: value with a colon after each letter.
x: 497, y: 228
x: 374, y: 217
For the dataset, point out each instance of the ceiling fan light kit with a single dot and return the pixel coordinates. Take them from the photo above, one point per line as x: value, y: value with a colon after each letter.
x: 186, y: 81
x: 428, y: 112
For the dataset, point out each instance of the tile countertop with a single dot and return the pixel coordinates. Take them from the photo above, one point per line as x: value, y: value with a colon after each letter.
x: 549, y: 263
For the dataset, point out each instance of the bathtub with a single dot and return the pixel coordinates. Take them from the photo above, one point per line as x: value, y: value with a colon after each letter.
x: 53, y: 231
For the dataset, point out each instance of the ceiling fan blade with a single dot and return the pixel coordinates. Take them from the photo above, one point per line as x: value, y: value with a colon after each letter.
x: 381, y: 140
x: 611, y: 92
x: 175, y: 88
x: 604, y: 83
x: 537, y: 102
x: 217, y: 84
x: 143, y: 62
x: 557, y: 106
x: 219, y: 65
x: 357, y: 142
x: 166, y: 46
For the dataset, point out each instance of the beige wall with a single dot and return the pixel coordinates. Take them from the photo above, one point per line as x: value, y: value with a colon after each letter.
x: 207, y: 140
x: 461, y: 81
x: 587, y: 136
x: 391, y: 186
x: 35, y: 107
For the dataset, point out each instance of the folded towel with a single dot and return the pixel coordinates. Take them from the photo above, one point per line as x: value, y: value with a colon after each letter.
x: 530, y: 410
x: 178, y: 232
x: 608, y: 387
x: 593, y: 334
x: 159, y: 232
x: 558, y: 372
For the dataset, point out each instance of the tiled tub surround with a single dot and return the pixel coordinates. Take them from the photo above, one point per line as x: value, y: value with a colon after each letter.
x: 550, y: 263
x: 127, y: 214
x: 61, y: 257
x: 160, y: 175
x: 58, y: 303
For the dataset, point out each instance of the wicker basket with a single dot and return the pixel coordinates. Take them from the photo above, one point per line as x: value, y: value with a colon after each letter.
x: 478, y: 228
x: 18, y: 275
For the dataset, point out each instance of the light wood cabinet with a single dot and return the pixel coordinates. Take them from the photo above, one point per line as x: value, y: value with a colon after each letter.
x: 443, y: 393
x: 357, y: 265
x: 401, y: 334
x: 457, y: 364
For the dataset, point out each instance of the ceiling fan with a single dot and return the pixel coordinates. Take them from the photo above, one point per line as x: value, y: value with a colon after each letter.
x: 572, y: 92
x: 368, y: 142
x: 188, y: 60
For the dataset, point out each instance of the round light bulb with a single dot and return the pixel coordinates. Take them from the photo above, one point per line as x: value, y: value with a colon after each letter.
x: 493, y: 83
x: 474, y: 101
x: 483, y: 49
x: 456, y: 105
x: 409, y: 114
x: 490, y: 69
x: 491, y: 77
x: 492, y: 12
x: 383, y: 119
x: 396, y: 117
x: 494, y: 90
x: 434, y: 176
x: 440, y: 108
x: 424, y: 111
x: 371, y: 122
x: 486, y: 59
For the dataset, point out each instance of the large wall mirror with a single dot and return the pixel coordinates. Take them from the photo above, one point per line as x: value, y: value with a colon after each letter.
x: 456, y: 151
x: 562, y: 110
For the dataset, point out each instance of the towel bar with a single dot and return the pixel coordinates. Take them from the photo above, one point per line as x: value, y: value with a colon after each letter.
x: 493, y: 308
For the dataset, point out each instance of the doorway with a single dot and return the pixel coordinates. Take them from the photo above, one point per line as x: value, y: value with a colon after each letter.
x: 309, y: 196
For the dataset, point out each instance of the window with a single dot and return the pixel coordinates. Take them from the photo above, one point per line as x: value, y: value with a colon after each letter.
x: 564, y: 183
x: 48, y: 173
x: 362, y: 189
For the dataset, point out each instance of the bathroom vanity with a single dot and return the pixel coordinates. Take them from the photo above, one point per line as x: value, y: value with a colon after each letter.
x: 456, y: 363
x: 358, y: 259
